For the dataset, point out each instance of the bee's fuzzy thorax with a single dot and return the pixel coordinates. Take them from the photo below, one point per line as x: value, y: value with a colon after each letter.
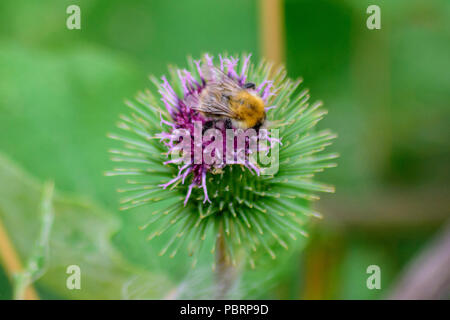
x: 249, y: 109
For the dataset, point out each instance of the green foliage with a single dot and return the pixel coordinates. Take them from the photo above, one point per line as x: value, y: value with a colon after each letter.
x: 38, y: 261
x: 81, y: 235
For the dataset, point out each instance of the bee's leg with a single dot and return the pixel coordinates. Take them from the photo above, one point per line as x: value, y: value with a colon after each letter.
x: 208, y: 125
x: 228, y: 124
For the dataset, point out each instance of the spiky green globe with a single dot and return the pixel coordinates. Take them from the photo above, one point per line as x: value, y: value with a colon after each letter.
x: 247, y: 212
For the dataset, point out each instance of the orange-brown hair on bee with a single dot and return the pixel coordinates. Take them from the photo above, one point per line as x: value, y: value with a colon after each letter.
x: 248, y: 109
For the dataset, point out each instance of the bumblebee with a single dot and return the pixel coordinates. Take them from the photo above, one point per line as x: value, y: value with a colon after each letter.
x: 223, y: 98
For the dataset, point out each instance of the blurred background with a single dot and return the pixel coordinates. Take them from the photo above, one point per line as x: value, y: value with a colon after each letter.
x: 387, y: 92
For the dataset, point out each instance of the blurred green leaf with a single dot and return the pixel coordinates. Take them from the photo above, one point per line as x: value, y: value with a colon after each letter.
x: 81, y: 236
x: 5, y: 286
x: 38, y: 260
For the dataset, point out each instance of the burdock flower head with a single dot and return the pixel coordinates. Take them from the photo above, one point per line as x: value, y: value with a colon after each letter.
x: 226, y: 154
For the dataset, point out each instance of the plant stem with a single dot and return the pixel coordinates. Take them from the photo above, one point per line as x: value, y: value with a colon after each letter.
x: 272, y: 30
x: 12, y: 264
x: 224, y: 269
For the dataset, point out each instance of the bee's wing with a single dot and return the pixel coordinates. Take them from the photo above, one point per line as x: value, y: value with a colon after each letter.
x: 217, y: 78
x: 215, y: 99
